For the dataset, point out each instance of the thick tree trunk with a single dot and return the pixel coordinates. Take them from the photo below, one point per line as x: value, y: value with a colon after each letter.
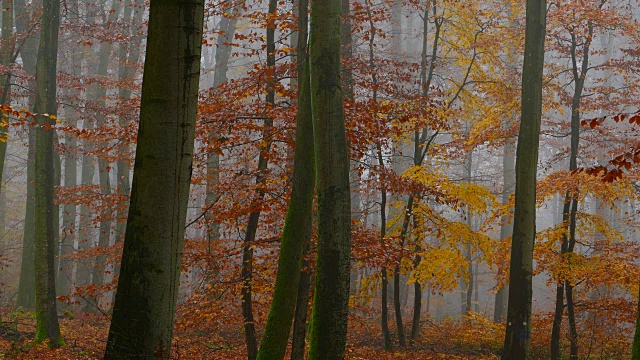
x: 298, y: 223
x: 331, y: 296
x: 518, y: 330
x: 45, y: 214
x: 144, y: 310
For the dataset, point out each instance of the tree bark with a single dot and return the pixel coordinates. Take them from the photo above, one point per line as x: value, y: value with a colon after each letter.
x: 144, y: 310
x: 518, y: 330
x: 331, y: 296
x: 45, y: 214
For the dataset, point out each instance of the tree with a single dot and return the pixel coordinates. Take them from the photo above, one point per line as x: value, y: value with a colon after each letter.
x: 518, y: 331
x: 144, y: 310
x: 298, y: 223
x: 6, y: 59
x: 45, y: 214
x: 331, y: 296
x: 26, y: 288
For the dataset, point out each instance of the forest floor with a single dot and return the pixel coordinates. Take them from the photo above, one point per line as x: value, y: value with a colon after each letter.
x: 85, y: 335
x: 85, y: 338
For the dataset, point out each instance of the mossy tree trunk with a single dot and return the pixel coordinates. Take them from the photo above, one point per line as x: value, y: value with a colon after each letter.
x: 331, y: 296
x: 45, y: 214
x: 518, y: 330
x: 144, y: 310
x: 297, y: 228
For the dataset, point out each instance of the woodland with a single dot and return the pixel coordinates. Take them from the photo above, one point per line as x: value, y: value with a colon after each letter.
x: 319, y: 179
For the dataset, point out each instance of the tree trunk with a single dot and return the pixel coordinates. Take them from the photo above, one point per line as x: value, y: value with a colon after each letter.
x: 65, y: 266
x: 518, y: 330
x: 261, y: 180
x: 144, y: 310
x: 86, y: 227
x: 571, y: 204
x: 100, y: 265
x: 298, y: 224
x: 227, y: 27
x: 417, y: 307
x: 384, y: 321
x: 331, y: 296
x: 6, y: 59
x: 26, y: 286
x: 302, y: 309
x: 104, y: 233
x: 44, y: 224
x: 508, y: 181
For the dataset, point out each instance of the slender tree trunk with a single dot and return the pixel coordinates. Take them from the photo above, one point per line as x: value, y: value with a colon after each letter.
x: 104, y: 230
x: 331, y: 295
x: 26, y: 286
x: 508, y: 181
x: 571, y: 204
x: 298, y: 224
x: 65, y: 266
x: 261, y: 179
x: 86, y: 227
x: 46, y: 312
x: 417, y: 307
x: 144, y: 310
x: 518, y: 330
x: 227, y: 27
x: 384, y: 321
x: 302, y: 310
x: 6, y: 59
